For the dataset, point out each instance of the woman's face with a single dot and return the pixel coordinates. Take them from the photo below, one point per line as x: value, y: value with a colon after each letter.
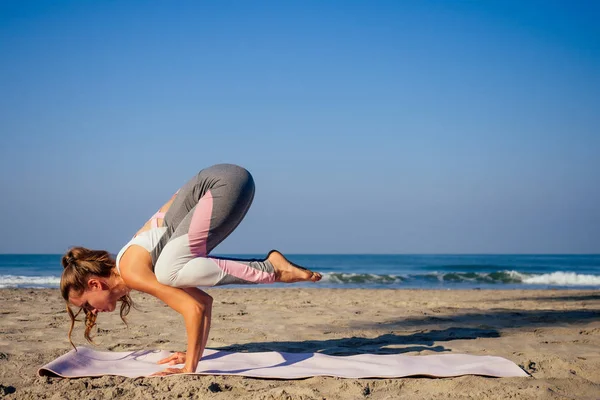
x: 97, y: 298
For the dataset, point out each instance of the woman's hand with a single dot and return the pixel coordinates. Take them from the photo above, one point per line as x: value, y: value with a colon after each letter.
x: 174, y: 359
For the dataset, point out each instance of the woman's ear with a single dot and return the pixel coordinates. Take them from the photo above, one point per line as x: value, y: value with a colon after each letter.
x: 96, y: 284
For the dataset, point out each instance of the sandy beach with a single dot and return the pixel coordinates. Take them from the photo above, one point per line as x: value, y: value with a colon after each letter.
x: 554, y: 335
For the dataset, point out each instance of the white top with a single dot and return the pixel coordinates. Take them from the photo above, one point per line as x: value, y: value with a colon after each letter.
x: 147, y: 239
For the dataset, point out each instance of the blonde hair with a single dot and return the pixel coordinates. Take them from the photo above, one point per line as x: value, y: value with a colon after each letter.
x: 79, y: 263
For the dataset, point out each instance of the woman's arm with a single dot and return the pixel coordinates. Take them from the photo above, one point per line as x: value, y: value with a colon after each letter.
x: 195, y: 309
x: 179, y: 357
x: 204, y: 298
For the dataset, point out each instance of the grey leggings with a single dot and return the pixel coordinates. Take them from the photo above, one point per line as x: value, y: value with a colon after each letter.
x: 205, y: 211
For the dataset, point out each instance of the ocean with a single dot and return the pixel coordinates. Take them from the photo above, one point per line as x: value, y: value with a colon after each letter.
x: 376, y: 271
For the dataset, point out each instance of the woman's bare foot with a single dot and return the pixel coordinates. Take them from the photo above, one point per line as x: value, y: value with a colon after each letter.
x: 286, y: 271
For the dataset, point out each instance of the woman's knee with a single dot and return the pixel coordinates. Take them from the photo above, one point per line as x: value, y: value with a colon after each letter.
x: 163, y: 278
x: 235, y: 174
x: 163, y: 275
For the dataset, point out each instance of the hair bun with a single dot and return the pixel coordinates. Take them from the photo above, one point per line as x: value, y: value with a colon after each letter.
x: 68, y: 259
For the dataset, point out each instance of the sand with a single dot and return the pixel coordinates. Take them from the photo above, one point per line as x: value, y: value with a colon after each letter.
x: 552, y: 334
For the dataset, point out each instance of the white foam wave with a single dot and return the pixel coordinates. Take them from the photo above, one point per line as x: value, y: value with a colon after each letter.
x: 12, y: 281
x: 562, y: 278
x: 559, y: 278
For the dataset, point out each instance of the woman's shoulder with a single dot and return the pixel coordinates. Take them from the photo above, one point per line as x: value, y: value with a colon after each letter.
x: 135, y: 263
x: 144, y: 241
x: 141, y: 242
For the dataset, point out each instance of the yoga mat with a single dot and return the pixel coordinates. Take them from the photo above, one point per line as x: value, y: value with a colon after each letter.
x: 87, y: 362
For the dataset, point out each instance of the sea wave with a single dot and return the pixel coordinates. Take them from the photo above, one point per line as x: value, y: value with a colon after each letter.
x: 563, y: 278
x: 355, y: 278
x: 16, y: 281
x: 558, y: 278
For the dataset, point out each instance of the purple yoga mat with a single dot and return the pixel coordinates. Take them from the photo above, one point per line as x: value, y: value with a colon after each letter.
x: 132, y: 364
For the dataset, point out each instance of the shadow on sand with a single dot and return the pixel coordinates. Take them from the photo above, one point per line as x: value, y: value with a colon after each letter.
x: 355, y: 345
x: 582, y: 297
x: 463, y: 326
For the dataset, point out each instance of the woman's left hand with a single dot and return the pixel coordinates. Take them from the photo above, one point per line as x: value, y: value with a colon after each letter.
x: 171, y: 371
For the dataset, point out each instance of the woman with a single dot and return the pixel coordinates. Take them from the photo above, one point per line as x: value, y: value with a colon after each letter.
x: 168, y: 258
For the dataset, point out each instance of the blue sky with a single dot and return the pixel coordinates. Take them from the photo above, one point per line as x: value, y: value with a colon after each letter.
x: 369, y: 127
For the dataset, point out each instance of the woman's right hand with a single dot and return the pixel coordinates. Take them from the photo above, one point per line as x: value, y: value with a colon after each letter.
x: 174, y: 359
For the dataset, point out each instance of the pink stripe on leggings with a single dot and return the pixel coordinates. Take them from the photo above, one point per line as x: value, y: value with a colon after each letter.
x: 200, y: 225
x: 244, y: 272
x: 198, y: 236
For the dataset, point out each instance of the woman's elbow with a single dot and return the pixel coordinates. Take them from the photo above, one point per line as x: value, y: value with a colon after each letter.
x: 200, y: 308
x: 194, y: 311
x: 204, y: 306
